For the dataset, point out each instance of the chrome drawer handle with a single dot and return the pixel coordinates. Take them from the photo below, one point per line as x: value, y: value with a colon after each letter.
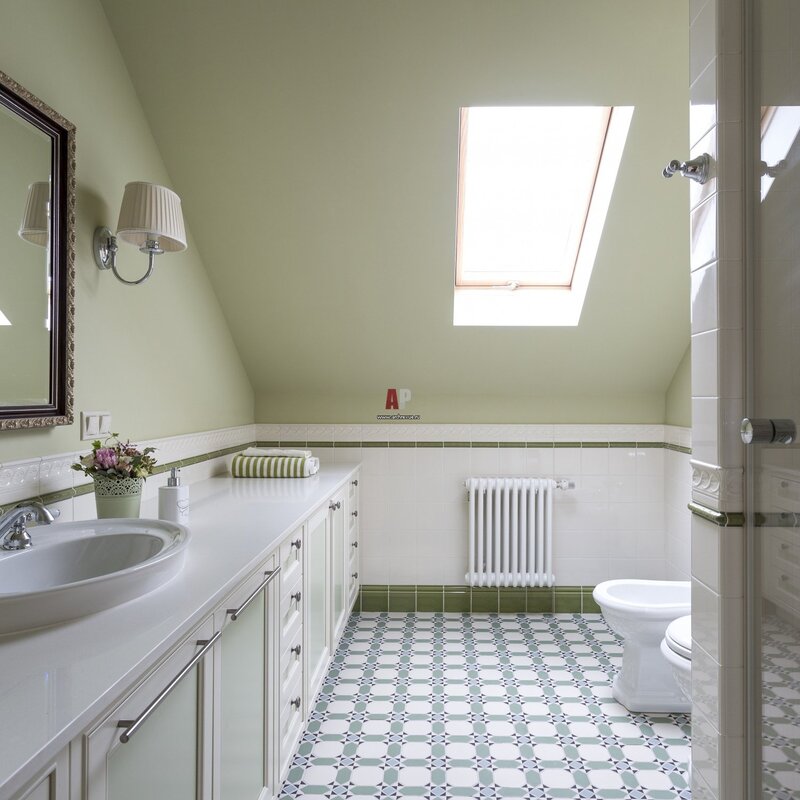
x: 236, y: 612
x: 335, y: 506
x: 355, y: 482
x: 296, y: 703
x: 296, y: 597
x: 354, y: 544
x: 355, y: 576
x: 131, y: 726
x: 297, y: 543
x: 355, y: 513
x: 296, y: 650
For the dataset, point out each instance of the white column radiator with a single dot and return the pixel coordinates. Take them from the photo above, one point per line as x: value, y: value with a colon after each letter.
x: 511, y: 531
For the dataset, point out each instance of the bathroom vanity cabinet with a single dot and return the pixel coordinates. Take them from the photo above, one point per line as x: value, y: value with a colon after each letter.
x: 218, y: 716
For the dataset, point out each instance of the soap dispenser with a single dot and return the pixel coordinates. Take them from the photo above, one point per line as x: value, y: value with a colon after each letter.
x: 173, y: 499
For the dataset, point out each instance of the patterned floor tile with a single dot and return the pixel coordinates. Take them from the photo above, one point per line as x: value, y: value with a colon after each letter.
x: 780, y: 656
x: 483, y: 706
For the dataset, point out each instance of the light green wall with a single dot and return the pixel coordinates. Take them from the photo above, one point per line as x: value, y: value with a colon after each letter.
x: 315, y: 143
x: 160, y: 357
x: 679, y: 394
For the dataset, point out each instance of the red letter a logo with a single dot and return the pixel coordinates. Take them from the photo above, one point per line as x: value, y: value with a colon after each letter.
x: 391, y: 399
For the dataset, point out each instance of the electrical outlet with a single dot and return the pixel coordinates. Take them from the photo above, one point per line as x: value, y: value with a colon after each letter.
x: 95, y: 424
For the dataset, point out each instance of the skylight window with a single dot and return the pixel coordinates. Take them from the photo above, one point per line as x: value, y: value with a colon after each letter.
x: 534, y: 188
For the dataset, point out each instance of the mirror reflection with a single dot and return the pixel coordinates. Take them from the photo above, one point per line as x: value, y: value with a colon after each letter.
x: 25, y: 263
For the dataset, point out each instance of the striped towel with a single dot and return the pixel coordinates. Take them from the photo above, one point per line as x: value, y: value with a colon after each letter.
x: 273, y: 467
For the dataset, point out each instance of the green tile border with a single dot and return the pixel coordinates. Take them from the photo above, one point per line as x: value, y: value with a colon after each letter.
x: 477, y: 600
x: 723, y: 519
x: 88, y: 488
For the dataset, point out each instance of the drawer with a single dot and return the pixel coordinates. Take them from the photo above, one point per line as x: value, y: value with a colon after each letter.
x: 291, y: 558
x: 785, y: 552
x: 291, y: 665
x: 352, y: 488
x: 781, y: 568
x: 291, y: 614
x: 786, y: 589
x: 353, y: 574
x: 291, y: 723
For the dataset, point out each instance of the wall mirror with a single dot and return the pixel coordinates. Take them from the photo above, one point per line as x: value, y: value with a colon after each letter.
x: 37, y: 252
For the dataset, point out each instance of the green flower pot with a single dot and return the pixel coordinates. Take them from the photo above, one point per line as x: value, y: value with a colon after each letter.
x: 117, y: 498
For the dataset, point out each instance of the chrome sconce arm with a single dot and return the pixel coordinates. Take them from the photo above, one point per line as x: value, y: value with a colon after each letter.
x: 105, y: 254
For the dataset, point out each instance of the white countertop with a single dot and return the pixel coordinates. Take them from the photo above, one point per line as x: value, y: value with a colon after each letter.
x: 54, y: 682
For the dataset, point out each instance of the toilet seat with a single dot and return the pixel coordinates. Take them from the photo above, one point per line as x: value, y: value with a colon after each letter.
x: 678, y: 637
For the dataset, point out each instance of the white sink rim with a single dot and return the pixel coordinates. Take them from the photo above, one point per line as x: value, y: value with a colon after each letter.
x: 40, y: 607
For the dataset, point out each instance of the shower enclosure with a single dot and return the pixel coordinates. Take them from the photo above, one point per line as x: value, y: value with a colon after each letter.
x: 772, y: 378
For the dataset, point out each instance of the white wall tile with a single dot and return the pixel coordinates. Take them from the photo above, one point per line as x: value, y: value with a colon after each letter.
x: 705, y: 429
x: 346, y: 455
x: 539, y: 461
x: 705, y: 364
x: 511, y: 461
x: 319, y: 433
x: 702, y: 40
x: 703, y: 103
x: 650, y: 462
x: 718, y: 692
x: 566, y: 462
x: 704, y: 305
x: 484, y: 461
x: 703, y: 228
x: 622, y: 461
x: 293, y: 433
x: 594, y: 460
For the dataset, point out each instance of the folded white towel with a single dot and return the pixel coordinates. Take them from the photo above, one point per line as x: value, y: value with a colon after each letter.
x: 276, y: 451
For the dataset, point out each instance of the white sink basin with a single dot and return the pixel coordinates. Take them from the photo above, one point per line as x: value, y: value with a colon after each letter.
x: 77, y: 568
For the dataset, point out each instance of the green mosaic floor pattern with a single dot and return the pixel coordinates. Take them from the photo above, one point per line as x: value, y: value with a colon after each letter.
x: 486, y: 706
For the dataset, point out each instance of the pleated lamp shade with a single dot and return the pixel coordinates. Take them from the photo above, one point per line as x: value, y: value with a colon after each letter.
x: 149, y: 212
x: 35, y: 225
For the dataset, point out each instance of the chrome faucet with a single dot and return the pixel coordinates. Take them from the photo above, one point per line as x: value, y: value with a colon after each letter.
x: 13, y: 533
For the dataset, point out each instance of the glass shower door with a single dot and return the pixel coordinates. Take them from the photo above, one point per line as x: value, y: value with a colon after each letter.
x: 773, y: 389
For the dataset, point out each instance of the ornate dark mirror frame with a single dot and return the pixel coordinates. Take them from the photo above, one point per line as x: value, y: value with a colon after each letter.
x: 58, y: 411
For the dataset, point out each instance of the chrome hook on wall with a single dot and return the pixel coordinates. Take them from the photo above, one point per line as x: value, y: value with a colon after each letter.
x: 696, y: 169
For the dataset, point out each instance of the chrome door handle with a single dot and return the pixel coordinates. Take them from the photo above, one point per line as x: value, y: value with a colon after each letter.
x: 768, y: 431
x: 131, y: 726
x: 236, y: 612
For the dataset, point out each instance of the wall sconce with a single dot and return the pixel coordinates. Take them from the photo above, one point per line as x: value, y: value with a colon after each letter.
x: 150, y: 217
x: 35, y: 225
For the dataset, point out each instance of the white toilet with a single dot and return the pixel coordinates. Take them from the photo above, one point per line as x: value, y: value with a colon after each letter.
x: 676, y: 647
x: 640, y: 612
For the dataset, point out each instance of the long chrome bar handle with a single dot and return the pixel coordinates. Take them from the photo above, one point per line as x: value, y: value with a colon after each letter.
x: 235, y: 612
x: 131, y: 726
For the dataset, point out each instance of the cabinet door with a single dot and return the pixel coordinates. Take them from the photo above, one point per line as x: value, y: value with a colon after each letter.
x: 52, y: 783
x: 353, y: 544
x: 338, y: 566
x: 155, y: 744
x: 243, y: 669
x: 317, y: 594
